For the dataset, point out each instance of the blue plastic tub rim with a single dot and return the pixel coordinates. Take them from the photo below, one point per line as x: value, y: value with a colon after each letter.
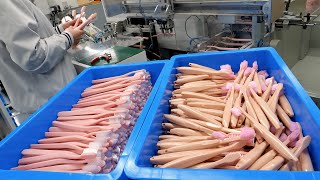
x: 117, y: 173
x: 133, y: 171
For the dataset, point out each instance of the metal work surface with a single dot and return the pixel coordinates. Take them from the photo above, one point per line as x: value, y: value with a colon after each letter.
x: 88, y: 50
x: 118, y: 54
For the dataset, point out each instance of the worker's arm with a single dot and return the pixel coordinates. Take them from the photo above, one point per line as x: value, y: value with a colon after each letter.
x: 19, y: 32
x: 61, y: 27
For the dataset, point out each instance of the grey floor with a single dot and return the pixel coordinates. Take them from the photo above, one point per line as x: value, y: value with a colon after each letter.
x: 307, y: 72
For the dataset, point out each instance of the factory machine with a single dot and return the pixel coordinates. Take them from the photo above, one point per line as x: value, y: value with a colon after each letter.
x: 205, y: 25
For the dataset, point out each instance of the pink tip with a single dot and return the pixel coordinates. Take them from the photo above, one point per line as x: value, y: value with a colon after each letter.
x: 253, y: 85
x: 248, y: 71
x: 232, y: 76
x: 226, y: 67
x: 294, y: 126
x: 273, y: 89
x: 244, y: 64
x: 219, y: 135
x: 273, y: 130
x: 263, y: 85
x: 224, y: 88
x: 283, y: 137
x: 225, y: 70
x: 262, y: 77
x: 232, y: 135
x: 268, y: 81
x: 255, y: 65
x: 294, y: 143
x: 287, y: 131
x: 250, y: 142
x: 263, y: 74
x: 236, y: 112
x: 228, y: 86
x: 294, y: 135
x: 238, y: 87
x: 281, y: 93
x: 247, y: 133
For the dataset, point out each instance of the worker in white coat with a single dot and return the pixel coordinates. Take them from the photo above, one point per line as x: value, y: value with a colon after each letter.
x: 34, y: 63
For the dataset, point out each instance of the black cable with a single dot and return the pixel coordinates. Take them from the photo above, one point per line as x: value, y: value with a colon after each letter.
x: 185, y: 24
x: 158, y: 56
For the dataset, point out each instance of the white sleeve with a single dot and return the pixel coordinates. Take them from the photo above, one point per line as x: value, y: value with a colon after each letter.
x: 59, y: 29
x: 27, y: 49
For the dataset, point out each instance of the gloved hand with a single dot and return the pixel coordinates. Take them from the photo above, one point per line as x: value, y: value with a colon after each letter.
x: 76, y: 34
x: 67, y: 24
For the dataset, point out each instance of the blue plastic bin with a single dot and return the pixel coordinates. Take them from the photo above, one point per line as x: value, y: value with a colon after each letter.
x: 138, y: 165
x: 35, y: 127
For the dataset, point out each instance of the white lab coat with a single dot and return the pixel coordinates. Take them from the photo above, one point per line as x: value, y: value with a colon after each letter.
x: 34, y: 63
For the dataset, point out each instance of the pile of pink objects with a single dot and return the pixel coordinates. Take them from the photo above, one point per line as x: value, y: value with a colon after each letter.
x: 92, y: 135
x: 225, y: 120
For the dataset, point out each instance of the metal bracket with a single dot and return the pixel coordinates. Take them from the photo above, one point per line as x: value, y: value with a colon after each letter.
x: 162, y: 10
x: 7, y: 119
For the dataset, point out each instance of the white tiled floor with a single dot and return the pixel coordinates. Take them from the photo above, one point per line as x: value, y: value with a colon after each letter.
x: 308, y: 73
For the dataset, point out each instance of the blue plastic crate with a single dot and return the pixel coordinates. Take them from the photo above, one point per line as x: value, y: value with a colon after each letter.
x: 35, y: 127
x: 138, y: 165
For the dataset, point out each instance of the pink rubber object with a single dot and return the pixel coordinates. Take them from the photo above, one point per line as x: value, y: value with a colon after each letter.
x: 40, y: 158
x: 115, y: 77
x: 60, y: 134
x: 103, y: 90
x: 61, y: 168
x: 268, y: 81
x: 219, y: 135
x: 94, y: 103
x: 253, y: 85
x: 74, y: 138
x: 294, y: 135
x: 255, y: 65
x: 236, y: 112
x: 80, y: 112
x: 263, y: 73
x: 115, y: 81
x: 98, y: 116
x: 247, y: 133
x: 274, y: 88
x: 294, y: 126
x: 273, y: 130
x: 226, y: 67
x: 283, y: 137
x: 244, y: 64
x: 75, y: 145
x: 248, y: 71
x: 51, y: 162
